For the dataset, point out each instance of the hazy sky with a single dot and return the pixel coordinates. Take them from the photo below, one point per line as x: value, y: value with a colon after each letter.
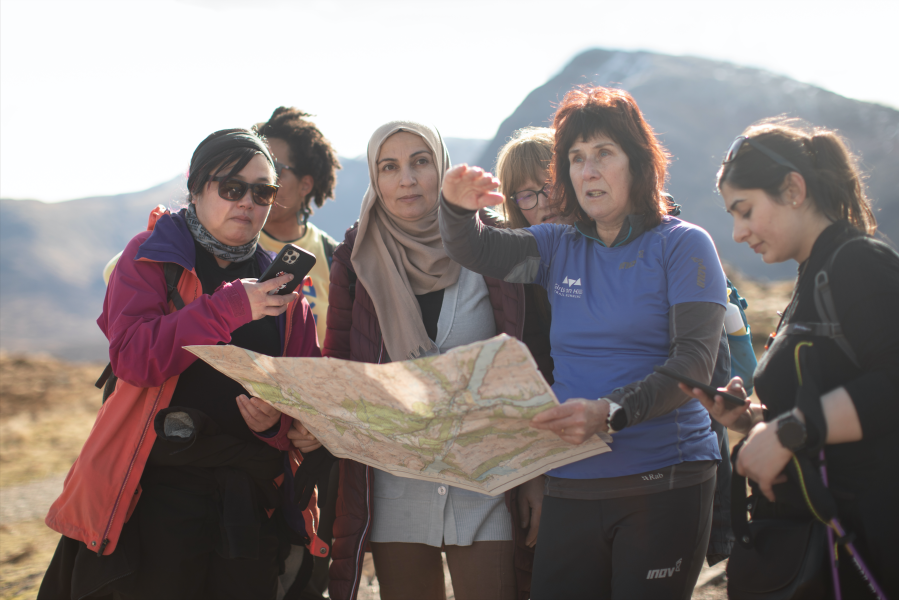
x: 103, y: 97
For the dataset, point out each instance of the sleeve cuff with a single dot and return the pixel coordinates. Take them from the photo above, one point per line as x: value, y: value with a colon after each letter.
x: 276, y: 436
x: 454, y: 210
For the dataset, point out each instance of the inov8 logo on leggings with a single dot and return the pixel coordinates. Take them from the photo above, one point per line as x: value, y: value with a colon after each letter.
x: 663, y: 573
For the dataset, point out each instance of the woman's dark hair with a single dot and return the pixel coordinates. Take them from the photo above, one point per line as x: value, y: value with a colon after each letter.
x: 228, y: 147
x: 310, y: 152
x: 587, y: 111
x: 832, y: 177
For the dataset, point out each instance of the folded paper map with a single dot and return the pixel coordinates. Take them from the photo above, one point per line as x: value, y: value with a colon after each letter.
x: 459, y: 418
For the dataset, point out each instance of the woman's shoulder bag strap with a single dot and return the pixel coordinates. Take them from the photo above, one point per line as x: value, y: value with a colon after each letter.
x: 829, y: 325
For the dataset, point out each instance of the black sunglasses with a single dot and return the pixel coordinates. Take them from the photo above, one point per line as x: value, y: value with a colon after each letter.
x: 738, y: 143
x: 281, y: 166
x: 527, y: 199
x: 233, y: 190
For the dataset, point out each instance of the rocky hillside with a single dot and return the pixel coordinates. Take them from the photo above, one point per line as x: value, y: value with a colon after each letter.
x: 698, y: 106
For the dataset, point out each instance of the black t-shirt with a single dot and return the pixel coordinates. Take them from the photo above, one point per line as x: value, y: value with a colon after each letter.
x: 203, y: 387
x: 864, y: 281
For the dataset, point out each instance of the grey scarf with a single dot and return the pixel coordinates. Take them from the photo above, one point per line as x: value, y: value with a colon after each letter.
x: 212, y: 245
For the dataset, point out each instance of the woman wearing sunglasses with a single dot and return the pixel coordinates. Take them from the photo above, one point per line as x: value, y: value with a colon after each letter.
x: 630, y: 288
x: 796, y: 193
x: 173, y: 492
x: 396, y: 295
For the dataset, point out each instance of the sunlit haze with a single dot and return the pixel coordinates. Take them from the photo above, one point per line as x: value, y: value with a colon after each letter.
x: 100, y: 98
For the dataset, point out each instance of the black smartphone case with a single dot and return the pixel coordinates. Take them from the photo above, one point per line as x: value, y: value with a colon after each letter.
x: 729, y: 399
x: 291, y: 259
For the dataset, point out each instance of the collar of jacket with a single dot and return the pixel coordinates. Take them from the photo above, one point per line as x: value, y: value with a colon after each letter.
x: 632, y: 228
x: 170, y: 241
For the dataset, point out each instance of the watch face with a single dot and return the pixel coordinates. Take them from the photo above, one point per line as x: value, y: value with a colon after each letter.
x: 791, y: 433
x: 618, y: 420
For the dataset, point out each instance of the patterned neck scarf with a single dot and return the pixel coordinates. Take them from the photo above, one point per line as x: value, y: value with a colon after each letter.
x: 212, y: 245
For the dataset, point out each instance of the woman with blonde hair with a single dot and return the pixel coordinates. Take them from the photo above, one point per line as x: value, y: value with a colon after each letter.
x: 522, y: 166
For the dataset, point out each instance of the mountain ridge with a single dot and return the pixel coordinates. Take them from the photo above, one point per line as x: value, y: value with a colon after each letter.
x: 52, y: 255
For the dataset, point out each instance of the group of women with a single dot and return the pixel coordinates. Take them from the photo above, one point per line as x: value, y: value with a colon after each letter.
x: 183, y: 488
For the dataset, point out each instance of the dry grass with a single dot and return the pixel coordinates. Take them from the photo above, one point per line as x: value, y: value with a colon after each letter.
x: 47, y: 408
x: 765, y: 299
x: 25, y: 551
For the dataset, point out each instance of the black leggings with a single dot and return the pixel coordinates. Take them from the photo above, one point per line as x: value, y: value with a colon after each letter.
x: 649, y: 546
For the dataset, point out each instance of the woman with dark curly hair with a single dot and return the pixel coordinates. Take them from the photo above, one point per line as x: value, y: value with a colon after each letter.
x: 630, y: 288
x: 306, y: 165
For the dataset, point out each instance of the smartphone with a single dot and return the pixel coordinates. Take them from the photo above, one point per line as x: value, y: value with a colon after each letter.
x: 729, y: 399
x: 291, y: 259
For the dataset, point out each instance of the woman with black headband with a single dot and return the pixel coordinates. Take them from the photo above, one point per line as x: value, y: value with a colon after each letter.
x: 173, y: 494
x: 828, y: 380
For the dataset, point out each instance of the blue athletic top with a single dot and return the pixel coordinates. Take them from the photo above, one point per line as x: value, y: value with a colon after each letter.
x: 610, y: 327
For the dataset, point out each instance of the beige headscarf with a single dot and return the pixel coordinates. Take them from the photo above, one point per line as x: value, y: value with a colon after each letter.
x: 396, y: 260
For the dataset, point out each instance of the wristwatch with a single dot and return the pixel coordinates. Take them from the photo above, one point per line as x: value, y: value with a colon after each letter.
x: 791, y: 432
x: 617, y: 418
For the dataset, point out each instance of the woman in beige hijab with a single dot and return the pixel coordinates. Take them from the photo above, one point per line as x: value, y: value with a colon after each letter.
x: 396, y: 295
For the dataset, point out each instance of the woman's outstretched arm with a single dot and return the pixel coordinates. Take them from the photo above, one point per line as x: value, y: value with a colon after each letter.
x: 508, y: 254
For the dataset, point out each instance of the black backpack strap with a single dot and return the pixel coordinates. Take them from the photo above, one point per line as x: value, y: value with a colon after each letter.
x: 172, y: 272
x: 825, y: 306
x: 106, y: 374
x: 739, y: 502
x: 329, y: 250
x: 829, y: 326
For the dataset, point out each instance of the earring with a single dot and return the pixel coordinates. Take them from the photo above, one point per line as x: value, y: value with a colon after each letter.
x: 794, y: 204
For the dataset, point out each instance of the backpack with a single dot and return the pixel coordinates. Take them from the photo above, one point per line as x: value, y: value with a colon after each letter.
x: 172, y: 271
x: 829, y: 324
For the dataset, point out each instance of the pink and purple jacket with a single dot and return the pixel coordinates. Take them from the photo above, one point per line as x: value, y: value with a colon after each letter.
x: 146, y: 338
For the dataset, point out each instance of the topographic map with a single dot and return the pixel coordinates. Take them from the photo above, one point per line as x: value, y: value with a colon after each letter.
x: 460, y: 418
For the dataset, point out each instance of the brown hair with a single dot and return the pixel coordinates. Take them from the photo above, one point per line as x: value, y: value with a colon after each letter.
x: 587, y: 111
x: 310, y: 151
x: 524, y: 158
x: 833, y: 180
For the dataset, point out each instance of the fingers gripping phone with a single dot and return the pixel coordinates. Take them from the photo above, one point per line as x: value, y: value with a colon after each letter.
x: 291, y: 259
x: 729, y: 399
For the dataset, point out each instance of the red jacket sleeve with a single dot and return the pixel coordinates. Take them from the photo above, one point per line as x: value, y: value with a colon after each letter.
x: 340, y: 313
x: 145, y: 341
x: 303, y: 342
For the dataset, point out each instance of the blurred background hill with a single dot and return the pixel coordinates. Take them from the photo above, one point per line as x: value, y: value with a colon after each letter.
x: 52, y: 255
x: 698, y: 106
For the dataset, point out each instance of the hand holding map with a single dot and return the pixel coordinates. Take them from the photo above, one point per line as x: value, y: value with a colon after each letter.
x: 460, y: 418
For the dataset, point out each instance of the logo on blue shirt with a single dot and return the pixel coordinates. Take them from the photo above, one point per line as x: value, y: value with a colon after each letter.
x: 569, y: 288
